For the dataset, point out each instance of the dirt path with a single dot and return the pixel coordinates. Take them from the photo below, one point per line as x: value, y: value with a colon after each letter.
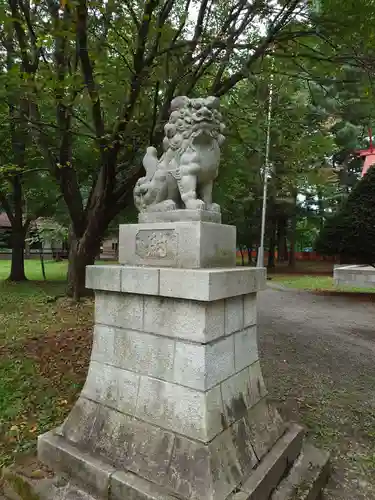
x: 319, y: 363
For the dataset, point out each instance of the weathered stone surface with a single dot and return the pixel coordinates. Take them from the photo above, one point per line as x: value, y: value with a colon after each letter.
x: 211, y: 471
x: 241, y: 438
x: 258, y: 387
x: 145, y: 353
x: 271, y: 469
x: 127, y: 279
x: 189, y: 245
x: 245, y: 348
x: 156, y: 244
x: 266, y: 427
x: 199, y: 285
x: 119, y: 309
x: 103, y: 348
x: 189, y: 474
x: 180, y: 216
x: 225, y: 463
x: 114, y: 387
x: 128, y: 443
x: 202, y: 366
x: 234, y: 314
x: 87, y: 471
x: 210, y: 284
x: 193, y: 413
x: 306, y: 478
x: 127, y: 486
x: 134, y: 351
x: 250, y: 309
x: 354, y: 275
x: 185, y: 319
x: 236, y: 396
x: 62, y: 490
x: 241, y: 392
x: 73, y: 493
x: 104, y: 277
x: 143, y: 280
x: 78, y: 425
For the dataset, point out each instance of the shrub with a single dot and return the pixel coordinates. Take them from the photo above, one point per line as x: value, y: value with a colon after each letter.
x: 350, y: 233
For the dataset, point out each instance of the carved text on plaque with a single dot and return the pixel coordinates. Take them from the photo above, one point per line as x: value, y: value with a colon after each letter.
x: 160, y: 244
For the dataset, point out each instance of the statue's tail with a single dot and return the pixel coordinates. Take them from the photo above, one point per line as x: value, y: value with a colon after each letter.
x: 150, y: 162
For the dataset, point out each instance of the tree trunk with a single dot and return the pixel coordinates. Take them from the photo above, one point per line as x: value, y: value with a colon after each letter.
x: 292, y: 239
x: 272, y: 246
x: 281, y: 240
x: 81, y: 254
x: 249, y: 251
x: 242, y: 256
x: 41, y: 258
x: 17, y: 272
x: 320, y: 208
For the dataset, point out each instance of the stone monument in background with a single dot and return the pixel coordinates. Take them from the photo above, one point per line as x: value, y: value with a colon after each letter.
x: 174, y: 405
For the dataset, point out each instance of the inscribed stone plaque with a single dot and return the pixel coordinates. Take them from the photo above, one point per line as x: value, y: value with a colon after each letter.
x: 156, y: 244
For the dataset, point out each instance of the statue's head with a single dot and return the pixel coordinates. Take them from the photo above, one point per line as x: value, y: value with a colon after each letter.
x: 193, y: 117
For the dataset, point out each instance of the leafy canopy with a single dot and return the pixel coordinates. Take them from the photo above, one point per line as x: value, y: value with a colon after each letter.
x: 350, y: 232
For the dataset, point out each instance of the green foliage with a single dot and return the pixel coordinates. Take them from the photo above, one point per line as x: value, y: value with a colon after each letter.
x: 48, y: 231
x: 350, y: 232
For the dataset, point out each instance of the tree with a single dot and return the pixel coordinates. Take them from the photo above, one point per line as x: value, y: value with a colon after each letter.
x: 299, y: 146
x: 76, y: 55
x: 350, y: 232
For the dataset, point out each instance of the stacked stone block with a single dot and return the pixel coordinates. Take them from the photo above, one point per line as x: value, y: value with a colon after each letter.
x: 174, y: 405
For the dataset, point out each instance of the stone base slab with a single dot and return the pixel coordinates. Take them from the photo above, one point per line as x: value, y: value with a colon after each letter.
x: 354, y: 275
x: 306, y: 478
x: 111, y: 444
x: 289, y: 470
x: 205, y: 285
x: 180, y: 216
x: 266, y: 477
x: 189, y: 245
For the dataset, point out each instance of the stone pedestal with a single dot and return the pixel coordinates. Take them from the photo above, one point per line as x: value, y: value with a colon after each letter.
x: 356, y: 276
x: 174, y: 405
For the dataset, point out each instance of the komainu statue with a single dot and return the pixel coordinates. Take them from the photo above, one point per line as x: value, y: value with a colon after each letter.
x: 183, y: 177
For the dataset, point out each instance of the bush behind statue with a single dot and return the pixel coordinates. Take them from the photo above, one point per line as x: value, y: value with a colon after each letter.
x: 350, y: 233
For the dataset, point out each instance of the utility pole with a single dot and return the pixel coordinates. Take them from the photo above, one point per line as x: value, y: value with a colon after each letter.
x: 260, y: 259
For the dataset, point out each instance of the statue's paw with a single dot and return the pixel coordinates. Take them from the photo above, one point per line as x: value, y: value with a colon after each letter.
x: 169, y: 205
x: 214, y: 207
x: 163, y: 206
x: 195, y: 204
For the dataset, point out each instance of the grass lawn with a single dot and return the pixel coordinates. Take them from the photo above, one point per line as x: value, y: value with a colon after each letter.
x: 45, y: 344
x: 316, y: 283
x: 55, y: 271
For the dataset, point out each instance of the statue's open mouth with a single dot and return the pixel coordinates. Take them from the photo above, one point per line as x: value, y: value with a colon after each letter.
x: 203, y: 125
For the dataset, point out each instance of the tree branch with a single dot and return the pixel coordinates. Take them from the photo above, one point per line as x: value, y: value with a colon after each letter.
x: 87, y: 71
x: 280, y: 21
x: 132, y: 13
x: 21, y: 36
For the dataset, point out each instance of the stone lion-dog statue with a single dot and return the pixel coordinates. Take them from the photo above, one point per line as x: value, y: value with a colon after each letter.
x: 184, y: 175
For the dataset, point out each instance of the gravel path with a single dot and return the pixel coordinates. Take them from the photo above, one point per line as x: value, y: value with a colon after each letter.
x: 319, y: 363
